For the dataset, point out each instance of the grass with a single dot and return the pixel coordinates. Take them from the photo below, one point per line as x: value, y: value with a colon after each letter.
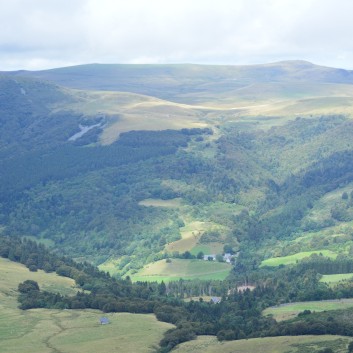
x: 12, y: 273
x: 285, y: 344
x: 289, y: 311
x: 110, y: 266
x: 292, y: 259
x: 190, y: 235
x: 182, y: 269
x: 129, y: 111
x: 173, y: 203
x: 190, y: 239
x: 79, y: 331
x: 210, y: 248
x: 334, y: 279
x: 67, y: 331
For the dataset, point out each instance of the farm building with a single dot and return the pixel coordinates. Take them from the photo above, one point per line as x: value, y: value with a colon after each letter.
x: 104, y: 321
x: 215, y: 300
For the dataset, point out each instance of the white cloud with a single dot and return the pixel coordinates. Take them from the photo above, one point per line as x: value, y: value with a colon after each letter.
x: 38, y: 34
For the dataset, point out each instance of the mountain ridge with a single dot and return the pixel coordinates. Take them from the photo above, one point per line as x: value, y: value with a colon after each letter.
x: 187, y: 83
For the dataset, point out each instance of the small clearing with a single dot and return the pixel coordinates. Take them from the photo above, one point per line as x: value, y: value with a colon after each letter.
x: 334, y: 279
x: 291, y: 310
x: 172, y: 203
x: 292, y: 259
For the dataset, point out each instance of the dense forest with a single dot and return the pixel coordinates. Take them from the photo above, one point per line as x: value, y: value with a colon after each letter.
x: 85, y: 200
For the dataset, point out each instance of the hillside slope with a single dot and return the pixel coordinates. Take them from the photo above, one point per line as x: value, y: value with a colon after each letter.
x: 77, y: 166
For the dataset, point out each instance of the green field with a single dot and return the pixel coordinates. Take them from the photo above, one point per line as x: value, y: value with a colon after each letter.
x: 185, y: 269
x: 289, y: 311
x: 67, y: 331
x: 285, y: 344
x: 292, y: 259
x: 334, y: 279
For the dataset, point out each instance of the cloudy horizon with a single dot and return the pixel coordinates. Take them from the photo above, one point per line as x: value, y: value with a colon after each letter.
x: 42, y: 34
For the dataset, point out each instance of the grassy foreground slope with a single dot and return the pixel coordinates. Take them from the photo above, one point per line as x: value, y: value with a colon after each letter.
x: 67, y: 331
x: 285, y: 344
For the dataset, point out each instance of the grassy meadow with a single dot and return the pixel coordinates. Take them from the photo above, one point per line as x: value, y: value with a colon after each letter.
x: 67, y: 331
x: 332, y: 280
x: 13, y: 273
x: 291, y: 310
x: 292, y: 259
x: 190, y: 239
x: 285, y: 344
x: 172, y: 203
x: 182, y: 269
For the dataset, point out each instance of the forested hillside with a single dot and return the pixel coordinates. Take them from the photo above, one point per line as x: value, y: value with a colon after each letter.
x: 250, y: 184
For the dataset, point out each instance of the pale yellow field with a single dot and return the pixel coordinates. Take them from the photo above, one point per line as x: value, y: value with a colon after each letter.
x: 76, y: 331
x: 13, y: 273
x: 286, y: 344
x: 190, y: 235
x: 126, y: 111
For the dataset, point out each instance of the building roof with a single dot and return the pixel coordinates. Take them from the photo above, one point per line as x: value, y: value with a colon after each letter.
x: 216, y: 300
x: 104, y: 320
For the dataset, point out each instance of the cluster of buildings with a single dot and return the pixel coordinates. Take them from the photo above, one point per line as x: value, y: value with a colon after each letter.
x: 227, y: 257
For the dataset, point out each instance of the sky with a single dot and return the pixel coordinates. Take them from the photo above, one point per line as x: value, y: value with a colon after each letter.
x: 42, y: 34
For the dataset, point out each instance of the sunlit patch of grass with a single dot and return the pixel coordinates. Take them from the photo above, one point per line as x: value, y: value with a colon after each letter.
x: 292, y: 259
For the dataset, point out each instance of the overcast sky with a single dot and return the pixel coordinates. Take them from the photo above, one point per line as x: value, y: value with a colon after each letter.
x: 40, y: 34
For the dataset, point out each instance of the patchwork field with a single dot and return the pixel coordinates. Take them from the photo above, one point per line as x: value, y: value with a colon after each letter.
x: 190, y: 235
x: 67, y: 331
x: 286, y: 344
x: 190, y: 239
x: 185, y: 269
x: 289, y: 311
x: 292, y: 259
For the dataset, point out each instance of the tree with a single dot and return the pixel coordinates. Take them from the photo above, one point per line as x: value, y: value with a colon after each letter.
x: 162, y: 289
x: 200, y: 255
x: 28, y: 286
x: 227, y: 249
x: 219, y: 258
